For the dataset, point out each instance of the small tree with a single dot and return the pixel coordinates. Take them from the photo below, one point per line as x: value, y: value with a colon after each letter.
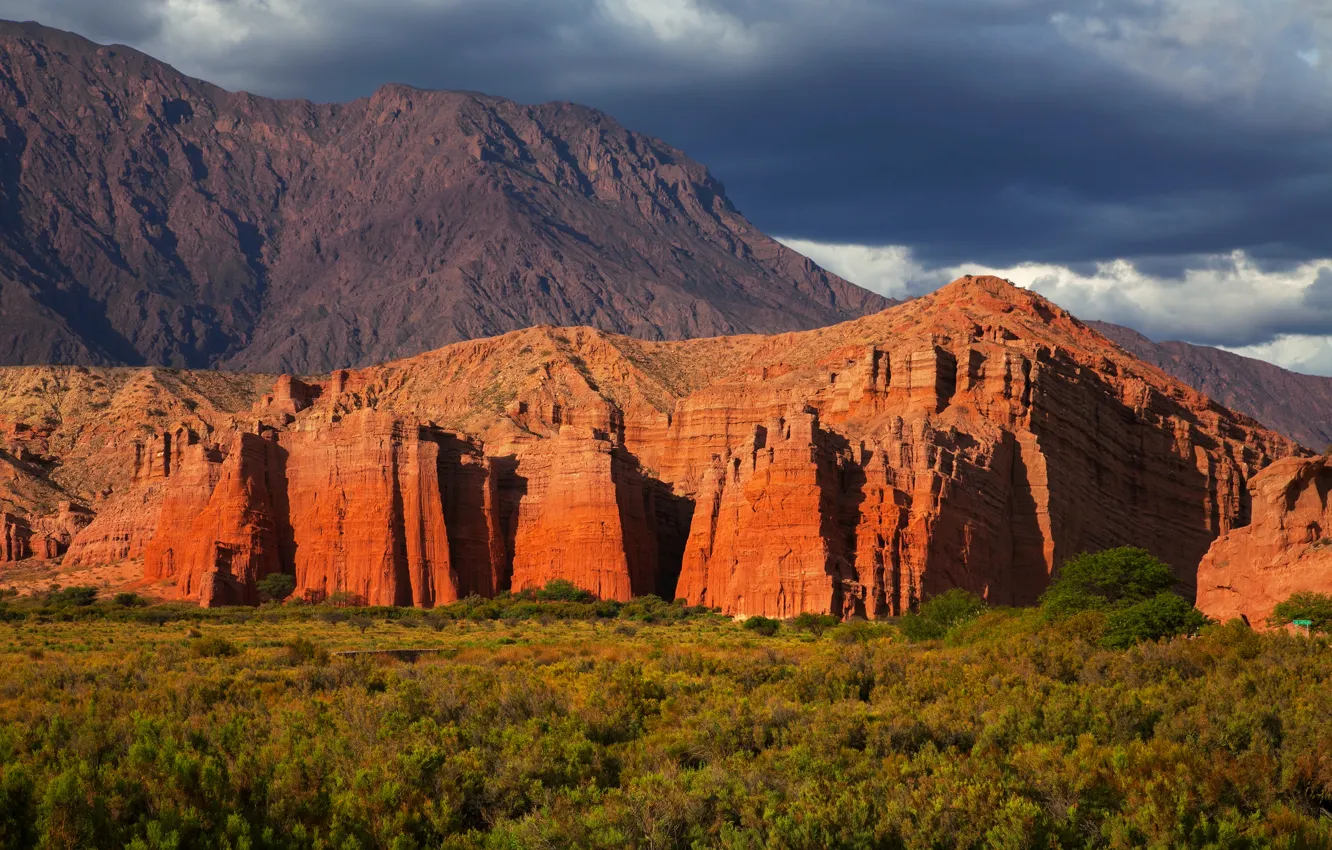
x: 1305, y: 605
x: 1105, y: 580
x: 1165, y: 615
x: 275, y: 587
x: 816, y: 624
x: 940, y: 613
x: 78, y: 596
x: 1132, y: 588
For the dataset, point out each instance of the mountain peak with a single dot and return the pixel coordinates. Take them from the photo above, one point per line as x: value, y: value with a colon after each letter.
x: 292, y: 236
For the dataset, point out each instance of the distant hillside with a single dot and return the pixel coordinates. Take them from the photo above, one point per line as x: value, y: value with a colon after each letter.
x: 147, y: 218
x: 1299, y: 406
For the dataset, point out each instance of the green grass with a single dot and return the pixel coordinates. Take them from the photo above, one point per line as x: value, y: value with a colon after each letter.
x: 613, y: 731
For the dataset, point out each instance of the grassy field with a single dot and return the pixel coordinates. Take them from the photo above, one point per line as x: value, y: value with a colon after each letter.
x: 560, y: 725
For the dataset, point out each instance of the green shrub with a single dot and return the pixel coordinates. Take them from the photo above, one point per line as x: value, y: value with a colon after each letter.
x: 1316, y: 607
x: 1132, y: 588
x: 562, y: 590
x: 345, y: 599
x: 275, y: 587
x: 763, y: 625
x: 129, y: 600
x: 305, y: 651
x: 73, y: 597
x: 861, y: 631
x: 1091, y: 582
x: 1164, y: 615
x: 213, y: 647
x: 816, y: 624
x: 940, y: 613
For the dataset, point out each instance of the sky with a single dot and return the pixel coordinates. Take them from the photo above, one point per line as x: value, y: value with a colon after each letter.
x: 1164, y: 164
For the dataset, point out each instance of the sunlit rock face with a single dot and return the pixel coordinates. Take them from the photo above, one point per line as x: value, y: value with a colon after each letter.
x: 974, y: 438
x: 1286, y: 548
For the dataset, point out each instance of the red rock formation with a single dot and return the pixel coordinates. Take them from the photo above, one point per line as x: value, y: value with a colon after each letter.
x: 1286, y: 547
x: 16, y: 543
x: 974, y: 438
x: 220, y: 530
x: 584, y: 517
x: 367, y: 512
x: 759, y: 542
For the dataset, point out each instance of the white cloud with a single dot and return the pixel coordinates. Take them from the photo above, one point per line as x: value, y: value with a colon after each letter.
x: 1237, y: 50
x: 1300, y: 353
x: 1226, y: 300
x: 888, y: 269
x: 682, y: 23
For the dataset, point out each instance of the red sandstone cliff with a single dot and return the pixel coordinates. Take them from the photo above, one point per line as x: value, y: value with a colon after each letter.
x: 974, y: 438
x: 1286, y: 547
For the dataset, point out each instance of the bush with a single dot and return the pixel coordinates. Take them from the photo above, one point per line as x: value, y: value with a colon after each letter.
x: 1163, y: 616
x: 763, y: 625
x: 275, y: 587
x: 941, y: 613
x: 1132, y: 588
x: 213, y: 647
x: 361, y: 622
x: 304, y: 651
x: 816, y: 624
x: 1093, y: 582
x: 1316, y: 607
x: 861, y: 631
x: 129, y: 600
x: 72, y: 597
x: 562, y: 590
x: 345, y: 599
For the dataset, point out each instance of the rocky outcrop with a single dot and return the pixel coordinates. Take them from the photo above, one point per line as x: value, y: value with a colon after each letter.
x: 1286, y: 548
x: 366, y: 500
x: 16, y: 543
x: 585, y: 516
x: 974, y: 438
x: 219, y: 531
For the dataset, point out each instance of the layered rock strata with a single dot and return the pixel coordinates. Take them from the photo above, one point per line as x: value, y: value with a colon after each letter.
x: 975, y: 438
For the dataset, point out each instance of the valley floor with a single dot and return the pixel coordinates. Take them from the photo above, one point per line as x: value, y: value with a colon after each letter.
x: 648, y: 725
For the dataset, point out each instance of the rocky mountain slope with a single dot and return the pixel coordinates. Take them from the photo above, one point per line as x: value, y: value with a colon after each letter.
x: 973, y: 438
x: 1294, y: 404
x: 150, y: 218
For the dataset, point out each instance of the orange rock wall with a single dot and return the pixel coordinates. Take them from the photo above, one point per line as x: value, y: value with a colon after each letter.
x: 1286, y: 548
x: 975, y: 438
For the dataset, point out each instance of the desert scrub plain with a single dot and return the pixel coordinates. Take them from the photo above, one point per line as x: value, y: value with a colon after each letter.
x: 572, y: 724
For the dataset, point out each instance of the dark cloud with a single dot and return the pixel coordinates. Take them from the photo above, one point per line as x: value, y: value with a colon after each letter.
x: 1318, y: 297
x: 991, y: 131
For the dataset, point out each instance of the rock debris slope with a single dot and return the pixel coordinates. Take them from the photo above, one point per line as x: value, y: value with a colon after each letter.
x: 974, y: 438
x: 147, y: 218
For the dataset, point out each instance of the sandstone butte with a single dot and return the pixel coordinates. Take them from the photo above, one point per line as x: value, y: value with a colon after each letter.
x: 973, y: 438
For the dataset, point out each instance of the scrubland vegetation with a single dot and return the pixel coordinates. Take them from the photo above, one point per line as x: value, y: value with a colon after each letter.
x: 560, y: 722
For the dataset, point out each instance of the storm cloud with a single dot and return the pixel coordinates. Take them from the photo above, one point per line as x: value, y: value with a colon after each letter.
x: 1156, y: 162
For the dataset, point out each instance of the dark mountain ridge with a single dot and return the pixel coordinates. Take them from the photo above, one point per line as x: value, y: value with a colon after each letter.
x: 151, y: 218
x: 1297, y: 405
